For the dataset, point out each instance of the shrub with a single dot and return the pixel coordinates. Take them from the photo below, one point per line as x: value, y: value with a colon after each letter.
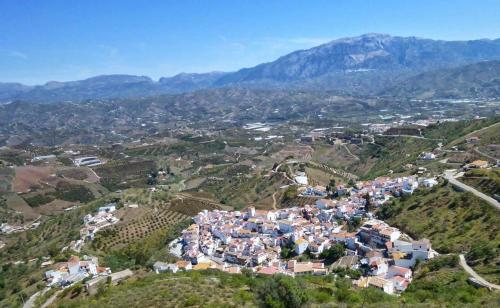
x: 281, y: 291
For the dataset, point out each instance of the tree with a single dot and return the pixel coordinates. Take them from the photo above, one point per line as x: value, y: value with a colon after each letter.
x: 368, y: 203
x: 354, y: 223
x: 333, y: 253
x: 342, y: 292
x: 351, y: 183
x: 290, y: 193
x: 332, y: 186
x: 281, y: 291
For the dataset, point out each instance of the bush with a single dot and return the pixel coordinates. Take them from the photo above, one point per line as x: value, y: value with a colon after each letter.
x: 281, y: 291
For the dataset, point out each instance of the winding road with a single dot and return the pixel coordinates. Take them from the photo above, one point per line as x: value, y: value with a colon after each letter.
x: 475, y: 275
x: 449, y: 175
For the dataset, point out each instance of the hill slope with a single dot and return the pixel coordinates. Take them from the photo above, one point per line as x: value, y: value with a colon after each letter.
x: 474, y: 80
x: 454, y: 221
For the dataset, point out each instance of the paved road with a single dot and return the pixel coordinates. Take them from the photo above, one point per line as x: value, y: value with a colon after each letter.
x: 51, y: 300
x: 449, y: 175
x: 476, y: 276
x: 481, y: 129
x: 30, y: 303
x: 410, y: 136
x: 350, y: 153
x: 486, y: 155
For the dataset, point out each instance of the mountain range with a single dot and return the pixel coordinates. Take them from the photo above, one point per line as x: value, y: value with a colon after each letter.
x: 370, y: 64
x: 480, y: 79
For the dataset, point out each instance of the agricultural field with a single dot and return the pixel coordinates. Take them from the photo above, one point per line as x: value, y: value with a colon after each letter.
x: 16, y: 210
x: 390, y: 153
x: 122, y: 234
x: 120, y: 174
x: 339, y: 156
x: 79, y: 173
x: 6, y: 178
x: 295, y: 151
x: 319, y: 176
x: 190, y: 205
x: 30, y: 177
x: 298, y: 201
x: 236, y: 186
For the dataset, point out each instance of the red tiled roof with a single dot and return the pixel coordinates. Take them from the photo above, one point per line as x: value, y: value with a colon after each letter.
x: 271, y: 270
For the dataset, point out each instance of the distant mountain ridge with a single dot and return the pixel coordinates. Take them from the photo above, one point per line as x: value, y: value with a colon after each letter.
x: 473, y: 80
x: 366, y: 64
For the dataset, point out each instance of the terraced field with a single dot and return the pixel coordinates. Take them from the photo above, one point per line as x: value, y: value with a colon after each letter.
x: 123, y: 234
x: 122, y: 173
x: 299, y: 201
x: 190, y: 205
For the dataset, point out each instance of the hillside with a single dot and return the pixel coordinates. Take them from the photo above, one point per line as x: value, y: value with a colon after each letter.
x: 474, y: 80
x: 440, y: 283
x: 454, y: 221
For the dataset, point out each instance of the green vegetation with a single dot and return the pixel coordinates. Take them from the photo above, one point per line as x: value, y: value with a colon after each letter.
x: 333, y: 253
x: 136, y: 230
x: 73, y: 193
x: 437, y: 283
x: 453, y: 221
x: 454, y: 131
x: 391, y: 153
x: 6, y: 177
x: 238, y: 186
x: 146, y: 251
x: 281, y: 291
x: 18, y: 282
x: 64, y: 191
x: 38, y: 200
x: 290, y: 193
x: 120, y: 174
x: 484, y: 180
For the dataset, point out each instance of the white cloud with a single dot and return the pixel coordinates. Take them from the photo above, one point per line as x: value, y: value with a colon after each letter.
x: 17, y: 54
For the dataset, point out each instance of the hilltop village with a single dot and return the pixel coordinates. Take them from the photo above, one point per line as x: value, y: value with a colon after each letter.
x: 263, y: 241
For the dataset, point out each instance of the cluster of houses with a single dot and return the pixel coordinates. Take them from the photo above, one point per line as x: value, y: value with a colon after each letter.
x: 93, y: 223
x: 383, y: 188
x: 255, y: 239
x: 9, y: 229
x: 380, y: 190
x: 67, y: 273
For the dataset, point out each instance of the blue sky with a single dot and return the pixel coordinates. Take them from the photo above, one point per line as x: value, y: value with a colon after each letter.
x: 69, y: 40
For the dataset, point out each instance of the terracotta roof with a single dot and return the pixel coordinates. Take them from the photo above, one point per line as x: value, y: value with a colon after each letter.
x: 400, y: 270
x: 182, y: 264
x: 73, y: 260
x: 270, y: 270
x: 101, y: 269
x: 301, y: 267
x: 202, y: 266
